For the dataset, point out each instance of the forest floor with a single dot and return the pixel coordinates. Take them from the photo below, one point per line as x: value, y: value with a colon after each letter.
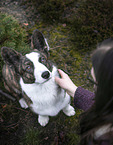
x: 19, y: 126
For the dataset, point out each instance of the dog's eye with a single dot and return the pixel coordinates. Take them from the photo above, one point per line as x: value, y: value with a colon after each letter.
x: 43, y: 59
x: 28, y: 68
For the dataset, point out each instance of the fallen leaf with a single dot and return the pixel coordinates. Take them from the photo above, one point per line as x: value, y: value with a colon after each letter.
x: 46, y: 138
x: 64, y: 25
x: 26, y: 24
x: 4, y: 106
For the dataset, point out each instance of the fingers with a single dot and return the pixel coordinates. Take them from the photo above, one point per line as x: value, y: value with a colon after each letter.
x: 58, y: 80
x: 63, y: 74
x: 62, y: 82
x: 63, y: 79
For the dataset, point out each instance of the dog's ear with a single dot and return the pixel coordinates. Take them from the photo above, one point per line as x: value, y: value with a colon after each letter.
x: 10, y: 56
x: 39, y: 42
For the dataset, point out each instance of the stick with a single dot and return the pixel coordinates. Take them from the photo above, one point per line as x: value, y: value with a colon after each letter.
x: 7, y: 95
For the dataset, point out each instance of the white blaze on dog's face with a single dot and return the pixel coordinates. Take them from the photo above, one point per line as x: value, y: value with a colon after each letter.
x: 42, y: 68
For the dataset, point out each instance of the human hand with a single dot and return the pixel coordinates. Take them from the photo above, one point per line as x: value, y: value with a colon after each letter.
x: 66, y: 83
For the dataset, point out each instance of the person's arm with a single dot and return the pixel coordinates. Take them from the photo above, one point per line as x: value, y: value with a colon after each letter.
x: 83, y: 99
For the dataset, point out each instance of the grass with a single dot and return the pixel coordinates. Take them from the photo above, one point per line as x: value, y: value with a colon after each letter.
x: 32, y: 137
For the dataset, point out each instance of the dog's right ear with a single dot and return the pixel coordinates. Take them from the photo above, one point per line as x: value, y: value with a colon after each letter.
x: 39, y: 42
x: 10, y: 56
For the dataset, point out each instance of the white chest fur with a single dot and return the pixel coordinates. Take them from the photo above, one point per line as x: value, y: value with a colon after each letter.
x: 47, y: 98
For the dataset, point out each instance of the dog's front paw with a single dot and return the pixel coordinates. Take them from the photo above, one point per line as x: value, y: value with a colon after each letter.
x: 23, y: 103
x: 69, y: 110
x: 43, y: 120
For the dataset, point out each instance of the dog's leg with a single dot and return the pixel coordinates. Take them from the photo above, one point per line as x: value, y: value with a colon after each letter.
x: 23, y: 103
x: 43, y: 120
x: 69, y: 110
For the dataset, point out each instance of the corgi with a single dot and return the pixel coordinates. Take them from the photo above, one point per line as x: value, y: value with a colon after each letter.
x: 31, y: 79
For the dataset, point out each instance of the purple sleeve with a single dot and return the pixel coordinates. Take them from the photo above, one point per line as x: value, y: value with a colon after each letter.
x: 83, y: 99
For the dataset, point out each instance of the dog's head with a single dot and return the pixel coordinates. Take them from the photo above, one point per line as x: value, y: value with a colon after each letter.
x: 33, y: 67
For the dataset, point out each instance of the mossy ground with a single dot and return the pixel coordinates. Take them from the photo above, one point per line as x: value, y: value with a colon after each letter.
x: 72, y: 33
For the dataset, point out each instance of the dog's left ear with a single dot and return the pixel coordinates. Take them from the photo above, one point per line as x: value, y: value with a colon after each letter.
x: 10, y: 56
x: 39, y: 42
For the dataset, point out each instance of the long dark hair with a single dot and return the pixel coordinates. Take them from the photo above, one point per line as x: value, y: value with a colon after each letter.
x: 101, y: 113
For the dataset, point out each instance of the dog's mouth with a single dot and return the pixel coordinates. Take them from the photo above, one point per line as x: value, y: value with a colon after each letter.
x: 45, y: 81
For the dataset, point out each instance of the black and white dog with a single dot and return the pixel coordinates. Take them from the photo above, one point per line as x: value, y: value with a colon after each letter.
x: 31, y: 78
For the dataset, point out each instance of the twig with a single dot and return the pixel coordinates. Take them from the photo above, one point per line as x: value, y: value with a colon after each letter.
x: 21, y: 109
x: 13, y: 125
x: 7, y: 95
x: 66, y: 71
x: 55, y: 47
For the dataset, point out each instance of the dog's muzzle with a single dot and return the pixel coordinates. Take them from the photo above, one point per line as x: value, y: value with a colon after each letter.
x: 45, y: 75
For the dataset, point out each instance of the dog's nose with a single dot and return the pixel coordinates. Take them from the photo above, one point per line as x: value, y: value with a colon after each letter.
x: 45, y: 75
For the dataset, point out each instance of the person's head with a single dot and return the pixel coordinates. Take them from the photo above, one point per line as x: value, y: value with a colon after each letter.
x: 101, y: 112
x: 102, y: 61
x: 99, y: 53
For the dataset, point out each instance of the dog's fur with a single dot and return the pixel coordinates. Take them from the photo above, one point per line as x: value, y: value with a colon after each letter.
x: 31, y: 78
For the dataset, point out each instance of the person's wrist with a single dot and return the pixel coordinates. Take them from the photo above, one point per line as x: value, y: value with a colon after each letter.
x: 72, y: 90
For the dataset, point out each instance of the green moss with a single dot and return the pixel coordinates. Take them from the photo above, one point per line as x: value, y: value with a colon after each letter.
x: 73, y: 138
x: 51, y: 10
x: 73, y: 128
x: 32, y: 137
x: 91, y: 24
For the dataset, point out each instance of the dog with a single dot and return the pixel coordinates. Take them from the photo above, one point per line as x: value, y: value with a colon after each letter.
x: 31, y: 79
